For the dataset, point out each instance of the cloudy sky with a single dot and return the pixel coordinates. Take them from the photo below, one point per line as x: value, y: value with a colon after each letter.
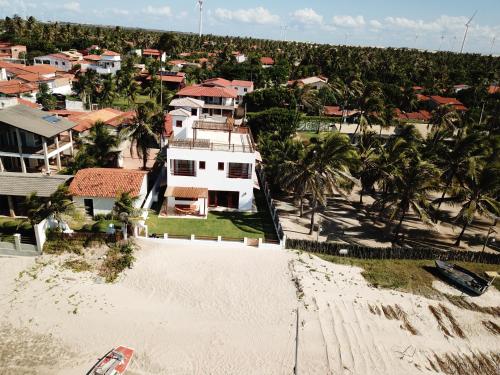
x: 429, y: 24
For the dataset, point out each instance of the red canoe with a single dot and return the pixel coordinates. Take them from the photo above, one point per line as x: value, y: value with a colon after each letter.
x: 114, y: 363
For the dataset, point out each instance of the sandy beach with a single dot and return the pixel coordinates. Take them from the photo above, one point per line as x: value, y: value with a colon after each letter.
x: 188, y: 309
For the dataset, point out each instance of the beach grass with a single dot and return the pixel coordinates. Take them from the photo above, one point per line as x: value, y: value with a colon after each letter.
x: 413, y: 276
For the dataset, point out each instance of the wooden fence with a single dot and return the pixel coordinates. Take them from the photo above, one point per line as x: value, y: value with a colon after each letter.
x: 366, y: 252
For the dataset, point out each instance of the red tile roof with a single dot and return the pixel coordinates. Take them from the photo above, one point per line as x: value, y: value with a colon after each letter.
x: 106, y: 182
x: 493, y: 89
x: 40, y: 69
x: 110, y: 116
x: 169, y: 128
x: 241, y: 83
x: 28, y: 103
x: 92, y: 57
x: 441, y: 100
x: 421, y: 115
x: 422, y: 98
x: 331, y: 110
x: 201, y: 91
x: 151, y: 51
x: 110, y: 53
x: 222, y: 82
x: 177, y: 62
x: 14, y: 87
x: 267, y: 61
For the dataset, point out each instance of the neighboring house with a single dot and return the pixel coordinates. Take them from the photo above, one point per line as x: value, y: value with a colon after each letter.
x: 62, y: 61
x: 217, y: 100
x: 267, y: 62
x: 242, y: 87
x: 350, y: 115
x: 108, y: 62
x: 96, y: 189
x: 10, y: 51
x: 23, y: 79
x: 316, y: 82
x: 210, y: 163
x: 493, y: 89
x: 33, y: 140
x: 437, y: 101
x: 422, y: 115
x: 458, y: 88
x: 154, y: 54
x: 172, y: 80
x: 15, y: 187
x: 240, y: 57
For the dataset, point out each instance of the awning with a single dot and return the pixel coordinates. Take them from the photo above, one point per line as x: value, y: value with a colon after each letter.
x: 186, y: 192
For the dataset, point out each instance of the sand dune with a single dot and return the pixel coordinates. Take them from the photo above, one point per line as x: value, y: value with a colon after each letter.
x: 193, y: 310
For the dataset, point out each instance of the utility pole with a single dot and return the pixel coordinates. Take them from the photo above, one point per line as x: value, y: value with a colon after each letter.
x: 161, y: 83
x: 296, y: 367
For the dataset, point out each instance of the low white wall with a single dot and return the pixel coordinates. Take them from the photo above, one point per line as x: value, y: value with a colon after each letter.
x: 41, y: 234
x: 74, y: 105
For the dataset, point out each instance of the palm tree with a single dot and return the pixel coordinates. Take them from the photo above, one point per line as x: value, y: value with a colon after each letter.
x: 325, y: 170
x: 143, y: 132
x: 478, y: 195
x: 108, y: 90
x: 60, y: 203
x: 35, y: 209
x: 101, y: 144
x: 444, y: 120
x: 124, y: 203
x: 412, y: 184
x: 459, y: 160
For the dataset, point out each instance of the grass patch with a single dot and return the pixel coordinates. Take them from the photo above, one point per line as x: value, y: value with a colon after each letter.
x: 413, y: 276
x: 77, y: 265
x: 227, y: 224
x: 124, y: 103
x: 305, y: 136
x: 118, y: 258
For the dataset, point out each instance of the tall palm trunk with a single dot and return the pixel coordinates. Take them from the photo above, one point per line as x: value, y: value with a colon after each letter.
x: 398, y: 228
x: 448, y: 183
x: 459, y: 238
x: 313, y: 215
x: 301, y: 207
x: 144, y: 157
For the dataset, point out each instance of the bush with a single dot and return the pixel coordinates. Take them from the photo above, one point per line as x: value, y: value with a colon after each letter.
x: 102, y: 226
x: 117, y: 260
x: 10, y: 226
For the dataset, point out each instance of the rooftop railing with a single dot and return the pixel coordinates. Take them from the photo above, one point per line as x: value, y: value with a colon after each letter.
x: 206, y: 144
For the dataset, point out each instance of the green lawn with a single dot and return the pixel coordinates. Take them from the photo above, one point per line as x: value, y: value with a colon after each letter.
x: 225, y: 224
x: 305, y: 136
x: 413, y: 276
x: 123, y: 102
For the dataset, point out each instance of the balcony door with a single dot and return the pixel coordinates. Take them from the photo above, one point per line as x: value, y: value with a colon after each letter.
x: 228, y: 199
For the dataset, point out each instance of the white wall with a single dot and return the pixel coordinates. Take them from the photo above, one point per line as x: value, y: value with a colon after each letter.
x: 211, y: 178
x: 61, y: 64
x: 102, y: 206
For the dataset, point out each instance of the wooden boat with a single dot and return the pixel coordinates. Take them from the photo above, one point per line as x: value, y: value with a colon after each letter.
x: 466, y: 279
x: 114, y: 362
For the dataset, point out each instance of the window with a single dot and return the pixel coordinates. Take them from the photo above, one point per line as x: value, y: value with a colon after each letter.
x: 194, y: 112
x: 178, y: 124
x: 220, y: 166
x: 239, y: 170
x: 63, y: 63
x: 183, y: 168
x: 201, y: 165
x: 57, y: 63
x: 245, y: 89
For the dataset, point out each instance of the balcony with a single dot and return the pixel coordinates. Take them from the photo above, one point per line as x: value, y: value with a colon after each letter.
x: 206, y: 144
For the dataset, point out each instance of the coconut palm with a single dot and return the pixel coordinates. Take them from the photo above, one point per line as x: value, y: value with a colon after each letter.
x: 478, y: 195
x: 444, y: 120
x: 324, y: 170
x: 412, y: 183
x: 144, y: 130
x: 101, y: 144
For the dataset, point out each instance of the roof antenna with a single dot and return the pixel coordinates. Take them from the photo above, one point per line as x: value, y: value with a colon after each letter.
x: 466, y: 30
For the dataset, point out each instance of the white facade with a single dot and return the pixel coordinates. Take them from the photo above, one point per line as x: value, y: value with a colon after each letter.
x: 107, y: 64
x: 240, y: 58
x: 221, y: 161
x: 63, y: 61
x: 104, y: 206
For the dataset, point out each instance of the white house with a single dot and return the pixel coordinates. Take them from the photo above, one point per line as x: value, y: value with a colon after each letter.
x: 108, y: 62
x: 62, y: 61
x: 316, y: 82
x: 210, y: 163
x: 96, y: 189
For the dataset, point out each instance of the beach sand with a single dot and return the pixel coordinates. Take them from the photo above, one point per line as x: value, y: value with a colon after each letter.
x: 191, y: 309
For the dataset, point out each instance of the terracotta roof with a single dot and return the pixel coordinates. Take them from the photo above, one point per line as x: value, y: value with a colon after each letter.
x: 40, y: 69
x: 28, y: 103
x: 222, y: 82
x: 493, y: 89
x: 151, y: 51
x: 31, y: 77
x: 420, y: 115
x: 110, y: 53
x: 203, y: 91
x: 186, y: 192
x: 241, y: 83
x: 92, y: 57
x: 171, y: 78
x: 422, y: 98
x: 168, y: 126
x: 15, y: 86
x: 109, y: 116
x: 331, y: 110
x: 106, y: 182
x: 445, y: 101
x: 267, y: 61
x: 177, y: 62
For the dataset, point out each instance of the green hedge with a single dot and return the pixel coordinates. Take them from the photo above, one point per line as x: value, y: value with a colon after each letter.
x: 366, y: 252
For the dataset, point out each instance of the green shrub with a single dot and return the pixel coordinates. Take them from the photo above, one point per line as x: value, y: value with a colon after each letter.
x: 10, y: 226
x: 118, y: 258
x: 25, y: 227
